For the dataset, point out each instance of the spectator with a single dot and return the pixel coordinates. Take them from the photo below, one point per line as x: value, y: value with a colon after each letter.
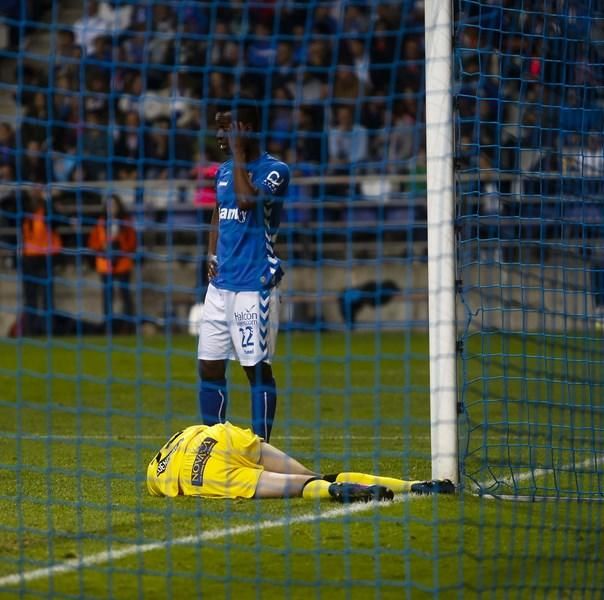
x: 204, y: 173
x: 100, y: 60
x: 41, y: 245
x: 113, y: 243
x: 66, y: 59
x: 133, y: 48
x: 346, y: 85
x: 129, y: 145
x: 593, y: 157
x: 347, y: 141
x: 35, y: 125
x: 381, y: 55
x: 96, y: 100
x: 355, y: 20
x: 9, y: 213
x: 33, y: 164
x: 116, y: 15
x: 62, y: 112
x: 323, y: 21
x: 225, y: 51
x: 132, y: 99
x: 411, y: 74
x: 173, y: 102
x: 403, y: 140
x: 7, y: 144
x: 359, y: 58
x: 372, y: 118
x: 219, y: 86
x: 281, y: 125
x: 309, y: 134
x: 90, y: 26
x: 192, y: 50
x: 157, y: 151
x: 65, y: 165
x: 160, y: 47
x: 312, y: 78
x: 261, y: 50
x: 95, y: 148
x: 283, y: 73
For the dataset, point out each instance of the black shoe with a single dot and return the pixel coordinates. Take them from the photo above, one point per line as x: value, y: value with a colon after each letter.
x: 347, y: 493
x: 435, y: 486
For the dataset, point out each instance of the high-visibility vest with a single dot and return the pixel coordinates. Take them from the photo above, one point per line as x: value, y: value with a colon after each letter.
x: 38, y: 238
x: 115, y: 259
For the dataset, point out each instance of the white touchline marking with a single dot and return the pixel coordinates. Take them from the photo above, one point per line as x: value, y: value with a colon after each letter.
x: 526, y: 475
x: 75, y: 564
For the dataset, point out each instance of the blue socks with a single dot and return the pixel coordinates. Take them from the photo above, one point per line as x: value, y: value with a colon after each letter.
x: 213, y: 401
x: 264, y: 405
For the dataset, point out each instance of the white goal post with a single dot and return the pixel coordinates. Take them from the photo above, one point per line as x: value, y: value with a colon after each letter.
x: 441, y: 240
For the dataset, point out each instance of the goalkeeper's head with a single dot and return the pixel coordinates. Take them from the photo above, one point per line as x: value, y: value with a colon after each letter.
x: 244, y: 111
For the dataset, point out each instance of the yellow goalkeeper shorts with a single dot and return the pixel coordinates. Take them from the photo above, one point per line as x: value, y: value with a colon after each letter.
x: 221, y: 461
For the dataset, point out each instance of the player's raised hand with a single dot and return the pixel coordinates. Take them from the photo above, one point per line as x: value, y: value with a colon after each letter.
x: 236, y: 136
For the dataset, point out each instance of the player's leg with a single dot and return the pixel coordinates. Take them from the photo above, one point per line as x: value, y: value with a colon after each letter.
x: 276, y: 461
x: 263, y: 390
x: 254, y: 333
x: 213, y: 397
x: 284, y: 485
x: 285, y: 477
x: 214, y: 349
x: 398, y: 486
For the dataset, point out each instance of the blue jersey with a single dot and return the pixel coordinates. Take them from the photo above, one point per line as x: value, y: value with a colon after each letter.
x: 245, y: 253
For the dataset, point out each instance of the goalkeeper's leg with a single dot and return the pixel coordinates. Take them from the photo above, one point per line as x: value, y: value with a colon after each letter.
x: 285, y: 477
x: 276, y: 461
x: 285, y: 485
x: 398, y: 486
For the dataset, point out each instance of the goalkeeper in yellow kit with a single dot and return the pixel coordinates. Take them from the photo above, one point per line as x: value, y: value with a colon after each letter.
x: 225, y: 461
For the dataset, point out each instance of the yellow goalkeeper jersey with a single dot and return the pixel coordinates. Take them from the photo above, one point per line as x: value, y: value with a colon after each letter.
x: 218, y: 461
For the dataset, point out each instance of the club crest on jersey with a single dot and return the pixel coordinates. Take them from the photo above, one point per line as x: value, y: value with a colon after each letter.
x: 232, y: 214
x: 273, y: 181
x: 201, y: 459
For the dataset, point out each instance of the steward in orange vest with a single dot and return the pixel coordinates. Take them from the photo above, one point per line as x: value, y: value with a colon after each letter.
x: 113, y: 243
x: 40, y: 245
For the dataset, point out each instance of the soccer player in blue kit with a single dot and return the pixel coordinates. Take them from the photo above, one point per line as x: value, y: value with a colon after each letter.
x: 240, y: 319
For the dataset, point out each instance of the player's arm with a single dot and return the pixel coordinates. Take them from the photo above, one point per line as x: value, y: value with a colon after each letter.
x: 212, y: 244
x: 245, y: 191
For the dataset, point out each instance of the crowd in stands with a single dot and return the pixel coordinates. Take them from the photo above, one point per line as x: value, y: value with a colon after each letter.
x: 530, y: 91
x: 130, y: 90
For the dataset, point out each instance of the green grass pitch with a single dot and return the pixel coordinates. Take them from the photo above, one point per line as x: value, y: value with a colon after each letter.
x: 80, y: 419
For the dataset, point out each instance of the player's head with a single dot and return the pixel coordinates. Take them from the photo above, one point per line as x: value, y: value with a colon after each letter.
x: 244, y: 111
